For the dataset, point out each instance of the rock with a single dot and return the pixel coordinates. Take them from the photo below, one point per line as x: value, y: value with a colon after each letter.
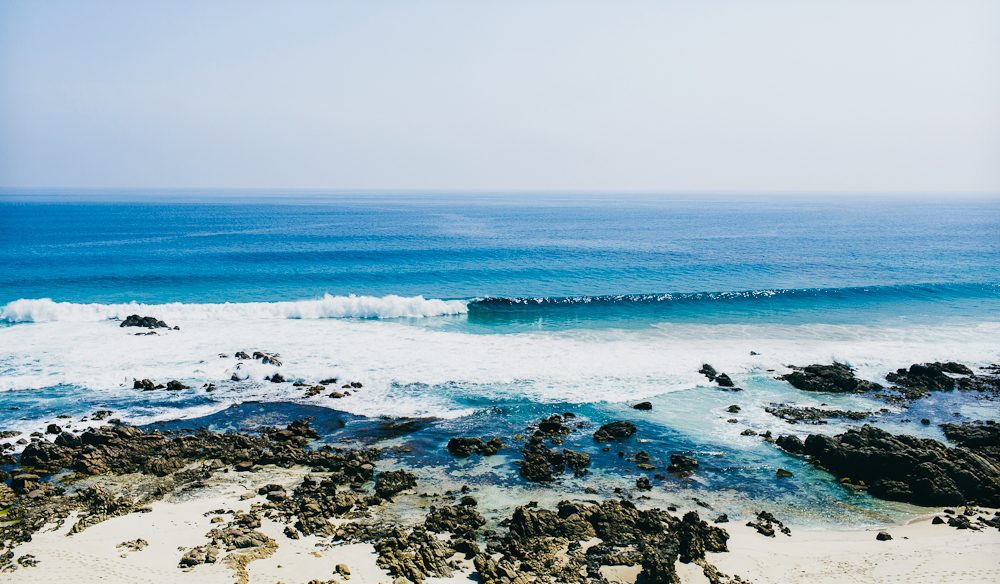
x: 144, y: 384
x: 930, y: 376
x: 344, y: 571
x: 708, y: 371
x: 645, y: 406
x: 680, y: 463
x: 811, y: 415
x: 619, y: 430
x: 722, y: 518
x: 925, y: 421
x: 782, y: 473
x: 937, y: 520
x: 24, y: 482
x: 767, y: 524
x: 748, y: 432
x: 905, y: 468
x: 53, y: 429
x: 791, y: 444
x: 414, y: 555
x: 835, y: 378
x: 143, y: 321
x: 462, y: 520
x: 464, y: 446
x: 553, y: 426
x: 267, y: 358
x: 541, y: 464
x: 733, y: 409
x: 643, y: 484
x: 883, y: 536
x: 175, y: 385
x: 276, y: 378
x: 203, y: 554
x: 242, y: 355
x: 388, y: 484
x: 724, y: 381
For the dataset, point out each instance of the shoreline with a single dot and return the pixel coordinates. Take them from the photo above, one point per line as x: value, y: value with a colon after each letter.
x: 919, y: 551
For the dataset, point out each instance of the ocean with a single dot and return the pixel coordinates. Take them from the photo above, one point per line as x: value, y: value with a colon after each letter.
x: 479, y: 313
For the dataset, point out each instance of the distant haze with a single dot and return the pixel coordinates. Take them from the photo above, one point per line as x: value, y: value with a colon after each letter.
x: 870, y: 96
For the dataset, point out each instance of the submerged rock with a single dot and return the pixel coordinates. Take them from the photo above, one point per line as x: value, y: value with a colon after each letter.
x: 464, y: 446
x: 619, y: 430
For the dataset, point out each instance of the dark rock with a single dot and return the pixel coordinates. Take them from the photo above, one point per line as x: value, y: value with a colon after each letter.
x: 464, y: 446
x: 144, y: 384
x: 724, y: 381
x: 53, y: 429
x: 811, y: 415
x: 733, y: 409
x: 643, y: 484
x: 908, y: 469
x: 143, y: 321
x: 835, y: 378
x: 883, y: 536
x: 175, y: 385
x: 388, y: 484
x: 782, y: 473
x: 643, y: 406
x: 276, y: 378
x: 929, y: 376
x: 541, y: 463
x: 708, y: 371
x: 462, y: 520
x: 767, y: 524
x: 680, y: 463
x: 614, y: 431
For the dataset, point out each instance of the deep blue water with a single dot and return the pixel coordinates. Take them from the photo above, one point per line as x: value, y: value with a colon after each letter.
x: 831, y: 260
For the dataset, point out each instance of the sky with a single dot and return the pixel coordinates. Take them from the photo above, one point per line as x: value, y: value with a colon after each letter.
x: 783, y: 96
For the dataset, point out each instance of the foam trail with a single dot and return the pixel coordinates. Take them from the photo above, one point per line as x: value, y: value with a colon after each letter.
x: 352, y: 306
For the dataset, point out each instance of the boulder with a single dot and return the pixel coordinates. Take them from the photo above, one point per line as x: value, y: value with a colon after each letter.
x: 619, y: 430
x: 835, y: 378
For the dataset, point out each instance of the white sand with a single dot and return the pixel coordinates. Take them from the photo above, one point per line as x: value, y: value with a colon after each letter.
x: 918, y: 552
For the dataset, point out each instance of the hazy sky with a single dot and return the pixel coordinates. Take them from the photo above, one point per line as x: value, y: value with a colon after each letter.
x: 680, y: 96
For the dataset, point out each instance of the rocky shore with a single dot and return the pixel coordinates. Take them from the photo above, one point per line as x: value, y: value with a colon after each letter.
x: 266, y: 493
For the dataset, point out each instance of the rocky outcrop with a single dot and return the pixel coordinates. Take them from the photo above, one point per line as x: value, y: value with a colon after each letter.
x: 143, y: 321
x: 543, y: 545
x: 542, y: 464
x: 615, y: 431
x: 905, y: 468
x: 921, y: 378
x: 811, y: 415
x: 388, y: 484
x: 835, y: 378
x: 464, y: 446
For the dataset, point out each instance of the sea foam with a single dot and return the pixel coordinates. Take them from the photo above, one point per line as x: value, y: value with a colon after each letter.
x: 352, y: 306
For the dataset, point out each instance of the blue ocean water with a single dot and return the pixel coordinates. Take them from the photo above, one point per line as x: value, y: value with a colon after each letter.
x: 528, y: 305
x: 720, y: 259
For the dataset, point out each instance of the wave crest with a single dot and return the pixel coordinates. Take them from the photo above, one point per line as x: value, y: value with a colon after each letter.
x: 352, y: 306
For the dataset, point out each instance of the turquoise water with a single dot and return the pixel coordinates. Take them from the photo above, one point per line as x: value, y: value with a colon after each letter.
x: 481, y: 313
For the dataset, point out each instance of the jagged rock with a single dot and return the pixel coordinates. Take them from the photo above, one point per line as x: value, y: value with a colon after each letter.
x: 766, y: 524
x: 835, y: 378
x: 905, y: 468
x: 464, y: 446
x: 708, y: 371
x: 682, y: 464
x: 144, y: 384
x: 461, y: 520
x: 811, y: 415
x: 619, y: 430
x: 645, y: 406
x: 724, y: 380
x: 930, y: 376
x: 143, y: 321
x: 175, y: 385
x: 415, y: 555
x: 388, y: 484
x: 541, y: 463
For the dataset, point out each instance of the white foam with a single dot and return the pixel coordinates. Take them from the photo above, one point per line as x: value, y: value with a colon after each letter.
x: 416, y: 371
x: 352, y: 306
